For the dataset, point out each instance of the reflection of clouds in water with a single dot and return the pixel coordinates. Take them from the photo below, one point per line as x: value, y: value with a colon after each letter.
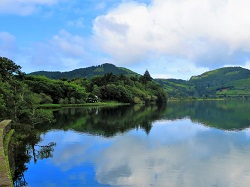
x: 175, y: 131
x: 73, y: 148
x: 247, y: 131
x: 175, y: 153
x: 201, y: 158
x: 78, y: 176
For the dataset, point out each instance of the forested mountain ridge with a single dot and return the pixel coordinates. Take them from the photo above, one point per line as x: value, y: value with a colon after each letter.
x: 218, y: 83
x: 88, y: 72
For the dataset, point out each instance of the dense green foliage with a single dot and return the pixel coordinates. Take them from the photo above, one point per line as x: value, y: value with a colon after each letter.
x: 17, y: 101
x: 8, y: 68
x: 20, y: 95
x: 54, y: 91
x: 88, y: 72
x: 219, y: 83
x: 109, y: 87
x: 177, y: 88
x: 126, y: 89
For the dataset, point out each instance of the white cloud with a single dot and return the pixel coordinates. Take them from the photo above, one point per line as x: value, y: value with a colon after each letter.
x: 175, y: 68
x: 187, y: 29
x: 8, y: 46
x: 72, y: 45
x: 23, y: 7
x: 171, y: 67
x: 247, y: 65
x: 63, y: 52
x: 170, y: 38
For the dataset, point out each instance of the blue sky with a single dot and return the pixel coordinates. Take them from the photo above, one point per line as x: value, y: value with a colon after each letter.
x: 170, y: 38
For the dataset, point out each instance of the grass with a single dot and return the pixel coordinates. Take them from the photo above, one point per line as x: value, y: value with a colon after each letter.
x: 196, y: 99
x: 5, y: 174
x: 234, y: 92
x: 99, y: 69
x: 46, y: 106
x: 56, y: 106
x: 6, y: 141
x: 232, y: 73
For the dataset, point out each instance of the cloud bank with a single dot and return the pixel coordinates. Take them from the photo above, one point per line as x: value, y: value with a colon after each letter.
x: 205, y: 33
x: 170, y: 38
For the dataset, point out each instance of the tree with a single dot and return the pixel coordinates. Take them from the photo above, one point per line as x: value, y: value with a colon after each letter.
x: 146, y: 77
x: 8, y: 69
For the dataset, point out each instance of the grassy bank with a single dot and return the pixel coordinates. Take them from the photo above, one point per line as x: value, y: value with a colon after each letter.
x: 6, y: 145
x: 5, y: 174
x: 100, y: 104
x: 197, y: 99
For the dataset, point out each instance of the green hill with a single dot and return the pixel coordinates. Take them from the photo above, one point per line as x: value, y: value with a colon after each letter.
x: 88, y: 72
x: 177, y: 88
x: 222, y: 82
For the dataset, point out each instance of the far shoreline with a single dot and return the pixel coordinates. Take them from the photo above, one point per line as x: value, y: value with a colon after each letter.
x: 97, y: 104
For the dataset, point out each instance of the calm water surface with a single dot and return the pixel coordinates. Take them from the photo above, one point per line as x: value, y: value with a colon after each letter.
x: 181, y: 144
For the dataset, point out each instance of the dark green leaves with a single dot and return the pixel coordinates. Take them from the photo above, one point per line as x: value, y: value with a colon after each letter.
x: 8, y: 69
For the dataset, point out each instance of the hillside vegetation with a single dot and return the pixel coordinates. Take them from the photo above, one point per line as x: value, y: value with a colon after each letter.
x: 228, y: 82
x: 88, y: 72
x: 109, y: 82
x: 232, y: 82
x: 21, y: 94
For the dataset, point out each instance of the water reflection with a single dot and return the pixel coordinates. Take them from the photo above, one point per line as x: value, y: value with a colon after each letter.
x: 177, y: 153
x: 146, y: 146
x: 228, y: 115
x: 106, y: 121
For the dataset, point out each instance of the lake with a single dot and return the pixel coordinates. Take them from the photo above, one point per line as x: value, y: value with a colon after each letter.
x: 198, y: 143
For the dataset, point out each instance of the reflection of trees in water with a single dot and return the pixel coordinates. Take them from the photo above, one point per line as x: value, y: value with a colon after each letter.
x: 109, y: 122
x: 106, y: 121
x: 228, y: 115
x: 94, y: 120
x: 26, y: 146
x: 40, y: 152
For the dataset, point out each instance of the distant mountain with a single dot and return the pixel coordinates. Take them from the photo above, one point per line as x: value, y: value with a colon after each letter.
x: 88, y: 72
x: 222, y: 82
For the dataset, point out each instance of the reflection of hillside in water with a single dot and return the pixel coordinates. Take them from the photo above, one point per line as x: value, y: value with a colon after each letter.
x: 227, y: 115
x: 175, y: 152
x: 106, y: 121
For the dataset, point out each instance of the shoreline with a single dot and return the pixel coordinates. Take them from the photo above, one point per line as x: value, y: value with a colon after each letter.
x: 99, y: 104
